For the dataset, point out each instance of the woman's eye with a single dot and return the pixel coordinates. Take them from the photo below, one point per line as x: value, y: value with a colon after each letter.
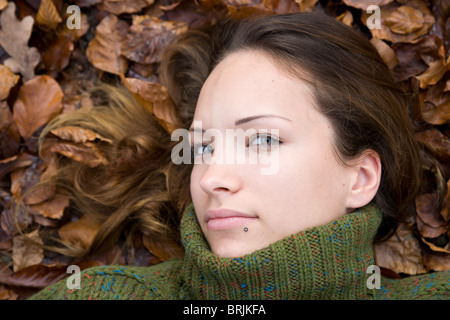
x: 265, y: 141
x: 201, y: 149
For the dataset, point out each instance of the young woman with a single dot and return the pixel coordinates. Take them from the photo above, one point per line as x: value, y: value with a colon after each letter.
x: 314, y: 98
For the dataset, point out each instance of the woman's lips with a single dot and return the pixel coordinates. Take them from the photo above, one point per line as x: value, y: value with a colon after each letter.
x: 222, y: 219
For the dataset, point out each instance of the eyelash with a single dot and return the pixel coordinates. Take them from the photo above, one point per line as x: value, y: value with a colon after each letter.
x: 273, y: 137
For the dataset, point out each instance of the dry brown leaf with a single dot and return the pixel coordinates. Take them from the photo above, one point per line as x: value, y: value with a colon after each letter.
x: 386, y: 52
x: 52, y: 208
x: 78, y: 134
x: 14, y: 36
x: 446, y: 210
x: 38, y: 102
x: 429, y: 222
x: 415, y: 57
x: 385, y: 32
x: 436, y: 142
x: 81, y: 232
x: 155, y: 98
x: 436, y: 261
x: 346, y: 18
x: 404, y: 20
x: 435, y: 72
x: 436, y: 115
x: 74, y: 34
x: 36, y: 276
x: 306, y: 5
x: 104, y: 50
x: 148, y: 37
x: 26, y: 253
x: 87, y: 152
x: 23, y: 179
x: 15, y: 162
x: 7, y: 81
x: 10, y: 137
x: 436, y: 248
x: 7, y: 294
x: 48, y: 15
x: 57, y: 57
x: 118, y: 7
x: 401, y: 253
x: 364, y: 4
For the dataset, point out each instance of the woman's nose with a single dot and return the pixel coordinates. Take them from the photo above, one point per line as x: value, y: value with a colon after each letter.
x: 218, y: 179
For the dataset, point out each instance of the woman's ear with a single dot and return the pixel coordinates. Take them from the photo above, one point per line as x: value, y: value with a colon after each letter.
x: 366, y: 178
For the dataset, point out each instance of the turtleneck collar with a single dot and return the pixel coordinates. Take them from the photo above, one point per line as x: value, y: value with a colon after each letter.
x: 326, y: 262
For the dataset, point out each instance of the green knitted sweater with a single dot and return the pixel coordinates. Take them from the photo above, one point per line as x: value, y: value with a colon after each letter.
x: 326, y: 262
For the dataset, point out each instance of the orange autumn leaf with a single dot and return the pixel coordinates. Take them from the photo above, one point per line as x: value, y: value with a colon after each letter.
x: 80, y: 233
x: 155, y: 99
x: 38, y: 102
x: 48, y: 15
x: 104, y: 50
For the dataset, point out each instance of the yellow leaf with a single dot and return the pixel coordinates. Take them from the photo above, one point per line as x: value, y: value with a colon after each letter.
x: 48, y: 15
x: 24, y: 252
x: 7, y: 81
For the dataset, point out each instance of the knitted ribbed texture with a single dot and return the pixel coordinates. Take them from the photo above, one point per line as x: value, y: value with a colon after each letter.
x: 326, y: 262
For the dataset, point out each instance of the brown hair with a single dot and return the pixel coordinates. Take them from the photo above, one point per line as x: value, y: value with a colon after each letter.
x: 142, y: 190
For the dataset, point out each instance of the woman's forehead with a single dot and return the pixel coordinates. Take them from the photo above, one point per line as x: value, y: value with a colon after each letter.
x: 247, y: 83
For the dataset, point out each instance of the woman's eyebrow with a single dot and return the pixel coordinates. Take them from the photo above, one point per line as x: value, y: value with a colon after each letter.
x: 245, y: 120
x: 251, y: 118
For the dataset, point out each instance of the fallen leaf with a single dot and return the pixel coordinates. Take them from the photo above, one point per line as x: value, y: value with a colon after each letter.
x: 9, y: 135
x: 386, y: 33
x: 364, y: 4
x: 436, y: 248
x: 386, y: 52
x: 78, y: 134
x: 104, y: 50
x: 36, y: 276
x: 436, y: 142
x: 26, y: 253
x: 38, y: 102
x: 404, y: 20
x: 436, y: 107
x: 7, y: 81
x: 14, y: 36
x: 401, y: 253
x: 436, y: 261
x: 414, y: 58
x: 57, y: 57
x: 15, y: 162
x: 346, y: 18
x: 87, y: 152
x: 6, y: 294
x: 25, y: 178
x: 306, y: 5
x: 48, y: 15
x: 148, y: 37
x: 118, y: 7
x: 446, y: 210
x: 430, y: 223
x: 80, y: 233
x: 52, y: 208
x: 11, y: 221
x: 435, y: 72
x: 155, y: 98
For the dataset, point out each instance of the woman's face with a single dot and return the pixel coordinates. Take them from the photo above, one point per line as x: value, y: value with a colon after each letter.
x: 240, y: 207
